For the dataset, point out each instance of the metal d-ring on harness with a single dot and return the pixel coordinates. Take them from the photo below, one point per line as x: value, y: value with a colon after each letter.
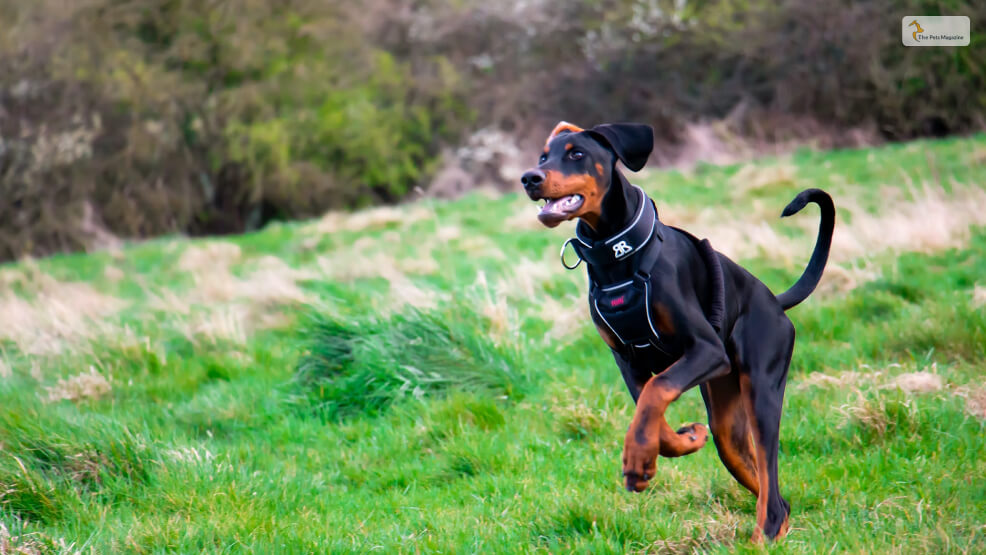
x: 624, y: 305
x: 561, y: 255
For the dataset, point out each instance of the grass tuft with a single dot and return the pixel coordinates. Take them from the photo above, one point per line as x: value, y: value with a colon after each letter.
x: 364, y: 365
x: 875, y: 415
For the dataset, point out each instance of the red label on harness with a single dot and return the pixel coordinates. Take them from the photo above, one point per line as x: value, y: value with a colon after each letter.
x: 617, y: 301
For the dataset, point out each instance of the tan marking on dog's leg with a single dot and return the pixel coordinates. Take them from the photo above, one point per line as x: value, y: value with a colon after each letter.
x: 764, y: 493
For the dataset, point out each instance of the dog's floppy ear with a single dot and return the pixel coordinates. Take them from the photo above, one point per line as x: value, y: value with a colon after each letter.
x: 632, y: 142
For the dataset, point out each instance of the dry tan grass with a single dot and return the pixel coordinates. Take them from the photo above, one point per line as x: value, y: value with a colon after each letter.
x: 978, y: 296
x: 88, y: 385
x: 5, y: 370
x: 818, y: 379
x: 523, y: 216
x: 228, y: 323
x: 871, y: 413
x: 927, y: 219
x: 222, y: 306
x: 736, y: 236
x: 446, y: 233
x: 113, y: 273
x: 52, y: 315
x: 84, y: 467
x: 865, y: 376
x: 208, y: 257
x: 752, y: 177
x: 975, y: 400
x: 976, y: 403
x: 567, y: 317
x: 493, y: 306
x: 28, y: 544
x: 925, y: 381
x: 190, y: 455
x: 917, y: 382
x: 374, y: 218
x: 351, y: 265
x: 274, y: 282
x: 719, y: 527
x: 931, y: 220
x: 841, y: 278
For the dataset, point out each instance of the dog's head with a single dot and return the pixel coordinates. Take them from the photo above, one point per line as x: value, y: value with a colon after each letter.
x: 575, y: 171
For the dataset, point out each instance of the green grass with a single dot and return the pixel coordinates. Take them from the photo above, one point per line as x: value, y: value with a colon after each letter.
x: 456, y: 401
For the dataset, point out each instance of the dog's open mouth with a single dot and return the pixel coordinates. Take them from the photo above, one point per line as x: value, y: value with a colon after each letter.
x: 557, y: 210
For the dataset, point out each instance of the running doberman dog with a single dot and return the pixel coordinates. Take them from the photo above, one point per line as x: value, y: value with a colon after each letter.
x: 677, y: 314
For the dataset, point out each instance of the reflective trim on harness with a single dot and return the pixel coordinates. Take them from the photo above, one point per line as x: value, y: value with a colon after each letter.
x: 605, y: 321
x: 624, y: 306
x: 617, y: 286
x: 622, y: 246
x: 650, y: 322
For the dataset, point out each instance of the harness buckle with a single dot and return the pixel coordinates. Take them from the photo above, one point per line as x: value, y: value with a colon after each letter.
x: 561, y: 255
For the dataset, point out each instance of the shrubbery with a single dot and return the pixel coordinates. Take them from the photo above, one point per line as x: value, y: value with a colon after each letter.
x: 143, y: 117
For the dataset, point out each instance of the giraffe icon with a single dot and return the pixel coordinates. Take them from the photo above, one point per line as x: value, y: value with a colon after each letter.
x: 917, y: 32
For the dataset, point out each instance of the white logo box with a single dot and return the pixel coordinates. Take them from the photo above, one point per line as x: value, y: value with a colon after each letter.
x: 935, y: 30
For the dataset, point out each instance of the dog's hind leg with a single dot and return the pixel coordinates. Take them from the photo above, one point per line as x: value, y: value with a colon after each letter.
x: 764, y: 342
x: 731, y: 431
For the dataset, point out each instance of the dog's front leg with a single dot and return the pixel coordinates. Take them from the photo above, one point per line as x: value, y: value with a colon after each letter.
x: 649, y: 434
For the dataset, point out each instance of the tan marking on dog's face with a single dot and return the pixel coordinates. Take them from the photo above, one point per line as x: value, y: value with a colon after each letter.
x: 562, y: 126
x: 557, y: 185
x: 599, y: 169
x: 568, y: 146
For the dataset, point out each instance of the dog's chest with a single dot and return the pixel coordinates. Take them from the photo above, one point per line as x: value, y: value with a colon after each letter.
x: 626, y: 315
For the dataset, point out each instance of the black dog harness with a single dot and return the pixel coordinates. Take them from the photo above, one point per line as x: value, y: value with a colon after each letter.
x: 624, y: 305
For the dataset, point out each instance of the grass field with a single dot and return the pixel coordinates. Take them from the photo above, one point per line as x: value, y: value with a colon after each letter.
x: 425, y: 378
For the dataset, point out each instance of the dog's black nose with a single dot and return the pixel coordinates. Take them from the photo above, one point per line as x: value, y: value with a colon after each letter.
x: 532, y: 179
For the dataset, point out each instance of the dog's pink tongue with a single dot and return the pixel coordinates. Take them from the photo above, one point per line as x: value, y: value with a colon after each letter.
x: 552, y: 207
x: 559, y: 206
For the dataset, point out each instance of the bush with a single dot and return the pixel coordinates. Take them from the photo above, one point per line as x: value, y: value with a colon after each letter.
x: 139, y: 118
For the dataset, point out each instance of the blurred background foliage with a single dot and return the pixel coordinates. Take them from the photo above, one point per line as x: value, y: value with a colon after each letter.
x: 134, y: 118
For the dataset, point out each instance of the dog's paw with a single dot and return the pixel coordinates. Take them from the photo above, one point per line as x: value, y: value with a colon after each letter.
x: 694, y: 436
x: 639, y: 467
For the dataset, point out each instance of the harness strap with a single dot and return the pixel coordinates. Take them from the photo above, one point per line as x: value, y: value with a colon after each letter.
x: 621, y: 246
x: 624, y: 307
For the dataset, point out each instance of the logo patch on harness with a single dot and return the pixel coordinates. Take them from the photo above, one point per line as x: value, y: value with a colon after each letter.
x: 621, y: 249
x: 618, y: 301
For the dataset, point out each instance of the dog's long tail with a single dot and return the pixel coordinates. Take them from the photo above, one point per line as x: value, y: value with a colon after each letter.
x: 813, y: 273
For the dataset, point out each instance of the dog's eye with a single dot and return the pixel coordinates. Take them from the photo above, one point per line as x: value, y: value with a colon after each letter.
x: 575, y: 155
x: 543, y: 158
